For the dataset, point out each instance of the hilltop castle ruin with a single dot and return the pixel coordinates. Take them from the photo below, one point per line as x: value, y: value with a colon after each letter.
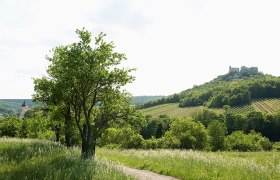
x: 244, y: 69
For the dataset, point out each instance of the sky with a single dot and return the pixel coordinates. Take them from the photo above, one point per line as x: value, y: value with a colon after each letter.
x: 173, y: 44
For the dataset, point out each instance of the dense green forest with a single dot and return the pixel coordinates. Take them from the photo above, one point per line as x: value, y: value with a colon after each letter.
x: 225, y: 90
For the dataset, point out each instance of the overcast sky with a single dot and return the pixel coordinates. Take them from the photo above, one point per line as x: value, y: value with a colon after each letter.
x: 173, y: 44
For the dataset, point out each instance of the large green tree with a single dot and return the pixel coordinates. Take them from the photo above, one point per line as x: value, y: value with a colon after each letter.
x: 217, y: 132
x: 51, y: 94
x: 89, y: 78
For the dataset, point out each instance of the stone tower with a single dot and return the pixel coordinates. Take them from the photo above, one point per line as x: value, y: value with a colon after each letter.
x: 24, y: 108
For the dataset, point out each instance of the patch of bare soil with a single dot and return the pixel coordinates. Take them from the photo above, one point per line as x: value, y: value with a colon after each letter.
x: 144, y: 174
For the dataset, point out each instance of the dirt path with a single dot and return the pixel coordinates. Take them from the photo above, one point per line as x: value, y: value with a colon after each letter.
x: 144, y: 174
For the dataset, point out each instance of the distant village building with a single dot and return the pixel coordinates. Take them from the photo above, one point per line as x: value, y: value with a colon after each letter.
x: 24, y: 108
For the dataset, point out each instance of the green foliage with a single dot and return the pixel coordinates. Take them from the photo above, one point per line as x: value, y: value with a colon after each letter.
x: 186, y: 134
x: 153, y: 143
x: 175, y: 98
x: 87, y: 82
x: 276, y: 146
x: 156, y: 127
x: 190, y: 101
x: 206, y: 116
x: 121, y: 138
x: 10, y: 127
x: 37, y: 127
x: 256, y: 121
x: 35, y: 159
x: 247, y: 142
x: 266, y: 124
x: 217, y: 132
x: 235, y: 122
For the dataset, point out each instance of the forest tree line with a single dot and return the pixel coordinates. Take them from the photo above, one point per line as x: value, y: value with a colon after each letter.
x: 205, y: 130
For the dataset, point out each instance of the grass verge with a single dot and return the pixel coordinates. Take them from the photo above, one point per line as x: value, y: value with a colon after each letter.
x: 200, y: 165
x: 36, y: 159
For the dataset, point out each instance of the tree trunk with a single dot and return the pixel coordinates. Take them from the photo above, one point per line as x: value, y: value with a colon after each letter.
x: 68, y: 128
x: 88, y: 144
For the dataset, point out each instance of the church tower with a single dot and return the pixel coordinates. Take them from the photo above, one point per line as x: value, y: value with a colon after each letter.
x: 24, y: 108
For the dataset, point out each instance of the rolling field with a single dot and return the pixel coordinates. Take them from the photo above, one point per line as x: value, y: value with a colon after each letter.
x: 173, y: 110
x: 36, y: 159
x: 199, y: 165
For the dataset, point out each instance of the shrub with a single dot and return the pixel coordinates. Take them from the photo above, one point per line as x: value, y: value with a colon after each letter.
x: 121, y: 138
x: 276, y: 146
x: 247, y: 142
x: 217, y: 131
x: 10, y: 127
x: 152, y: 143
x: 186, y: 134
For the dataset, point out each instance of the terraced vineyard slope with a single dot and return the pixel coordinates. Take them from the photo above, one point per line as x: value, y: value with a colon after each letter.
x: 261, y: 105
x: 242, y: 109
x: 267, y: 105
x: 173, y: 110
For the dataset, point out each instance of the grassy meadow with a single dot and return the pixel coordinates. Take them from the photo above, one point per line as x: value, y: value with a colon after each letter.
x: 200, y: 165
x: 36, y: 159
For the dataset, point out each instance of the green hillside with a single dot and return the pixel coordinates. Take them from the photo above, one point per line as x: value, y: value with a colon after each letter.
x: 244, y: 91
x: 173, y: 109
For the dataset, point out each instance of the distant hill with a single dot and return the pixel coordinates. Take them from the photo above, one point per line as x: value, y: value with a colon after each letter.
x: 11, y: 107
x: 236, y: 88
x: 138, y: 100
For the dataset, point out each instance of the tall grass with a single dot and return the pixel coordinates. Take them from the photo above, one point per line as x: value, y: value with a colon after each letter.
x: 36, y: 159
x: 200, y: 165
